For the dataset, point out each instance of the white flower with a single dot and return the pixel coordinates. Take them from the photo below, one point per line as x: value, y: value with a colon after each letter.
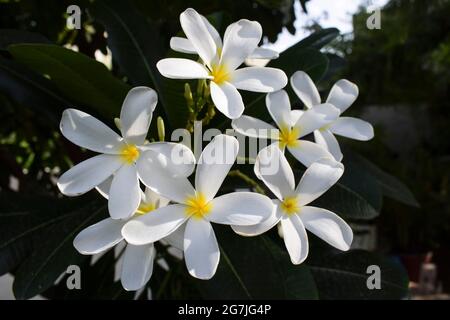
x: 119, y: 154
x: 221, y: 62
x: 291, y: 204
x: 183, y: 45
x: 342, y: 95
x: 292, y: 125
x: 198, y: 207
x: 137, y: 263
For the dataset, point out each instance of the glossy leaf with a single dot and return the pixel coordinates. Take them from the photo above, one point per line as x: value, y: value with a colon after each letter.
x: 79, y: 77
x: 344, y: 275
x: 55, y: 252
x: 259, y: 269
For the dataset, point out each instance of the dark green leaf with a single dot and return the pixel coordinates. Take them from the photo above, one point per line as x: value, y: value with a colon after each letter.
x: 24, y: 220
x: 391, y: 186
x: 31, y: 89
x: 246, y: 261
x: 79, y: 77
x: 317, y: 40
x: 344, y: 275
x: 54, y: 254
x: 136, y: 45
x: 13, y: 36
x: 347, y: 203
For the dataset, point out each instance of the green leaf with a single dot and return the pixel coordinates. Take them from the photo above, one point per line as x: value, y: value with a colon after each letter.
x: 317, y: 40
x: 79, y: 77
x: 310, y: 60
x: 13, y: 36
x: 344, y: 275
x: 391, y: 186
x: 136, y: 44
x: 55, y: 252
x: 24, y: 220
x: 255, y: 268
x: 347, y: 203
x: 32, y: 90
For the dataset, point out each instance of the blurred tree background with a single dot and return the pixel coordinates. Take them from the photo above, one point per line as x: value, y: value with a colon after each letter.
x: 403, y: 72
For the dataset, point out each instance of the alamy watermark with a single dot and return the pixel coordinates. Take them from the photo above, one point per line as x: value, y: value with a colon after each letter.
x: 74, y: 19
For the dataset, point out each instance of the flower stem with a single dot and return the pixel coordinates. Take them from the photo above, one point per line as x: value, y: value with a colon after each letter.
x: 247, y: 179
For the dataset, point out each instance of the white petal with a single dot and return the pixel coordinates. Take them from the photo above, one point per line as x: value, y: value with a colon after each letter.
x: 213, y: 33
x: 317, y: 179
x: 309, y: 152
x: 315, y: 118
x: 198, y: 34
x: 263, y: 53
x: 88, y: 174
x: 88, y: 132
x: 182, y: 45
x: 177, y: 159
x: 240, y: 208
x: 152, y: 197
x: 295, y: 115
x: 260, y: 228
x: 279, y: 108
x: 327, y: 140
x: 178, y: 68
x: 259, y: 79
x: 201, y: 250
x: 159, y: 179
x: 327, y: 226
x: 227, y: 99
x: 305, y: 89
x: 272, y: 167
x: 352, y: 128
x: 136, y: 114
x: 125, y: 193
x: 137, y: 266
x: 104, y: 187
x: 255, y: 128
x: 214, y: 164
x: 240, y: 40
x: 343, y: 94
x: 295, y: 238
x: 176, y: 238
x: 99, y: 237
x: 155, y: 225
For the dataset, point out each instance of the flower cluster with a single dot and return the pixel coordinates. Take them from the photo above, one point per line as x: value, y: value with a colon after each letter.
x: 180, y: 213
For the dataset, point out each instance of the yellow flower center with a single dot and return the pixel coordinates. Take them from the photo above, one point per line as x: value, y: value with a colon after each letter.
x: 129, y: 153
x: 145, y: 208
x: 290, y: 205
x: 325, y: 127
x: 289, y: 137
x: 197, y: 206
x: 220, y: 73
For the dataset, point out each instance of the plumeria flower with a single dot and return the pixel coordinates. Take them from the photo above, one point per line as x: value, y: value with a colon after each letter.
x: 292, y: 125
x: 198, y: 207
x: 292, y: 208
x: 221, y: 61
x: 137, y: 263
x: 183, y: 45
x: 120, y: 154
x: 342, y: 95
